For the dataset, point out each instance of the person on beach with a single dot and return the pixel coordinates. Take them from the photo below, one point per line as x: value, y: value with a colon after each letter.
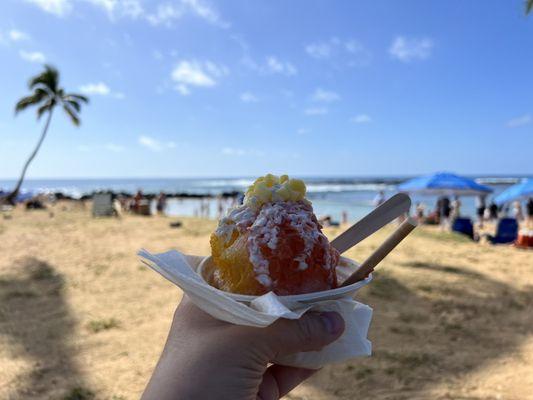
x: 529, y: 208
x: 456, y: 208
x: 444, y: 210
x: 344, y: 217
x: 161, y: 203
x: 205, y: 358
x: 139, y: 196
x: 481, y: 205
x: 493, y: 211
x: 379, y: 199
x: 220, y: 206
x: 517, y: 211
x: 420, y: 209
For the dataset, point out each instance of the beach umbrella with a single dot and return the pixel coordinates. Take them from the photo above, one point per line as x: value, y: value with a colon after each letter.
x: 25, y: 195
x: 521, y: 190
x: 444, y: 183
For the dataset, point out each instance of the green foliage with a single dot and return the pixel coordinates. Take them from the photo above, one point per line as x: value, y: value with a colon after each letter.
x: 46, y: 94
x: 99, y: 325
x: 529, y: 6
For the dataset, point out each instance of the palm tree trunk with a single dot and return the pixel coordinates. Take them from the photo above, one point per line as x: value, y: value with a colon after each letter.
x: 12, y: 196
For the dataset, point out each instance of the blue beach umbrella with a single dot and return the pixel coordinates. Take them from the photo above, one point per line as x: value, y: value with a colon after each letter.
x: 519, y: 191
x: 25, y: 195
x: 444, y: 183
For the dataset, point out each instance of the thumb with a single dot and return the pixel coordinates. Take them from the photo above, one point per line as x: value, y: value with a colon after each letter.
x: 311, y: 332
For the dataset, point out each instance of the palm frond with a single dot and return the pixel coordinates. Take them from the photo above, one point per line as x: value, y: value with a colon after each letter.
x: 75, y: 96
x: 529, y: 6
x: 72, y: 114
x: 30, y: 100
x: 44, y: 108
x: 49, y: 78
x: 74, y: 104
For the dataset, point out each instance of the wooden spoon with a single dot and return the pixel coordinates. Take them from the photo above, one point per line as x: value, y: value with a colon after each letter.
x: 381, y: 252
x: 391, y: 209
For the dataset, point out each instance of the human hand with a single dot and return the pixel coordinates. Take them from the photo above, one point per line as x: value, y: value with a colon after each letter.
x: 205, y: 358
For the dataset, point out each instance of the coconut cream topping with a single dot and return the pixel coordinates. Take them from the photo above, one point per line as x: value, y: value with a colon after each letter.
x: 239, y: 218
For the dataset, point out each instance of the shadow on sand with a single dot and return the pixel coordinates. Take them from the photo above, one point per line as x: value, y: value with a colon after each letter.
x: 37, y: 324
x: 432, y: 331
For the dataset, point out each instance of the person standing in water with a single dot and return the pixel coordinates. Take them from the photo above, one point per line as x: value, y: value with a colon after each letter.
x: 161, y: 203
x: 379, y: 199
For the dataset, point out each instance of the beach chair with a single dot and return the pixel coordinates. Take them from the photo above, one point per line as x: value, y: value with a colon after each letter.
x: 464, y: 226
x: 103, y: 205
x: 506, y: 231
x: 6, y: 211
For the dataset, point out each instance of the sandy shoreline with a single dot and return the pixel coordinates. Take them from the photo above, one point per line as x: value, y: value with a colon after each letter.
x: 452, y: 319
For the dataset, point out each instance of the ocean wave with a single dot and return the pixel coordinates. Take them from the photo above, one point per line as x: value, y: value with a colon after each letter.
x: 360, y: 187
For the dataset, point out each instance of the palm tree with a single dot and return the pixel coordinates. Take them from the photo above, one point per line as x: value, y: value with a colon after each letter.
x: 529, y: 6
x: 46, y: 95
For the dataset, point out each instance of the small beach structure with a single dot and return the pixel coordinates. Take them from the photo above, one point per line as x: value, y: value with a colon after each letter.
x: 445, y: 184
x: 103, y: 205
x: 520, y: 191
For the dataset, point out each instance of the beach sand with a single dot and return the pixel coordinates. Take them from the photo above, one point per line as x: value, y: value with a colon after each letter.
x: 82, y: 318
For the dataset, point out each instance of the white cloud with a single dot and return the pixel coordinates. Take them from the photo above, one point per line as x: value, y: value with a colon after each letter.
x: 271, y: 65
x: 302, y: 131
x: 275, y: 65
x: 205, y: 12
x: 319, y: 50
x: 150, y: 143
x: 183, y: 89
x: 100, y: 89
x: 519, y: 121
x: 115, y: 148
x: 353, y: 46
x: 154, y: 144
x: 195, y: 73
x: 57, y: 7
x: 120, y: 8
x: 349, y: 52
x: 324, y: 96
x: 167, y: 13
x: 164, y: 14
x: 248, y: 97
x: 232, y: 151
x: 32, y: 56
x: 361, y: 119
x: 409, y: 49
x: 316, y: 111
x: 17, y: 36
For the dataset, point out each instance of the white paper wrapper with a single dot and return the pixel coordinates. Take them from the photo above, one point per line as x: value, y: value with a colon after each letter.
x: 266, y: 309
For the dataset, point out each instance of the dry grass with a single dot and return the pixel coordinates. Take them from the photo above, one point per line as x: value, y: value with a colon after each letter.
x: 82, y: 318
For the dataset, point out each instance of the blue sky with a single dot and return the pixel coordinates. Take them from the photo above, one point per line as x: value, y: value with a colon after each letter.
x: 232, y: 88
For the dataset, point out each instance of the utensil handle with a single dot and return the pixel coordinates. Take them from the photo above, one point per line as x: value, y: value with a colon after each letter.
x: 381, y: 252
x: 391, y: 209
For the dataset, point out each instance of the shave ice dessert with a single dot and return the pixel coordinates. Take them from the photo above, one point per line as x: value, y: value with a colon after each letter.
x: 273, y: 242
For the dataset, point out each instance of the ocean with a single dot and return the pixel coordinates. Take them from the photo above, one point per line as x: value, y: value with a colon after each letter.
x: 330, y: 196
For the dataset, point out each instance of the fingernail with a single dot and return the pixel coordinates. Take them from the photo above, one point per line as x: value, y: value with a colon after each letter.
x: 333, y: 322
